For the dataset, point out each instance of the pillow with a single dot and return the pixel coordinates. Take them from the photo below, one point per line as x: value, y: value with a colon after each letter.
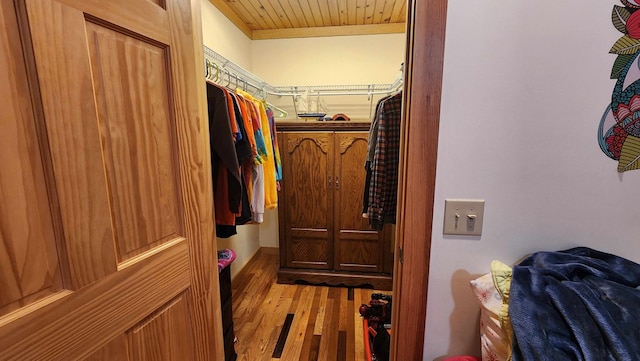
x: 494, y: 341
x: 501, y: 274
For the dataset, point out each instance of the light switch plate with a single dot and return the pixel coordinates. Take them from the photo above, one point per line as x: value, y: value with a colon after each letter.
x: 463, y: 216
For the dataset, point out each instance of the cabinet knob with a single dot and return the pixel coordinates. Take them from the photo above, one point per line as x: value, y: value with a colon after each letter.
x: 337, y: 183
x: 330, y: 182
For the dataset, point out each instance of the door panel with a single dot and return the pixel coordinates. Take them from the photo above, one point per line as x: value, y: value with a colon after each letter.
x: 110, y: 187
x: 150, y: 340
x: 74, y: 138
x: 358, y: 248
x: 29, y: 268
x: 132, y: 90
x: 309, y: 199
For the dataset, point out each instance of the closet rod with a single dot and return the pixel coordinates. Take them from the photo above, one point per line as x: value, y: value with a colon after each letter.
x: 265, y: 88
x: 220, y: 75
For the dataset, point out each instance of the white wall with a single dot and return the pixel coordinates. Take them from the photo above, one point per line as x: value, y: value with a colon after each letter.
x: 525, y: 85
x: 358, y: 59
x: 222, y: 36
x: 341, y: 60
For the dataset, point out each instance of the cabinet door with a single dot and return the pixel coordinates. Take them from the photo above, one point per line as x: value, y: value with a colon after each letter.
x: 106, y: 224
x: 308, y: 199
x: 357, y: 247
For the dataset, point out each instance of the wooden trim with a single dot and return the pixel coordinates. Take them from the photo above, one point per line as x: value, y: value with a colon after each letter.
x: 337, y: 278
x: 232, y: 16
x: 419, y: 147
x: 190, y: 101
x: 310, y: 126
x: 322, y: 31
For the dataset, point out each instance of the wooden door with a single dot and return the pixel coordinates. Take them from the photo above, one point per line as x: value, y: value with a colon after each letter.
x: 357, y: 246
x: 426, y: 28
x: 106, y: 228
x: 308, y: 199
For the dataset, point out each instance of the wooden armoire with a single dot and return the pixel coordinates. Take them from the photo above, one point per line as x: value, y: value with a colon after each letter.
x: 107, y: 248
x: 324, y: 239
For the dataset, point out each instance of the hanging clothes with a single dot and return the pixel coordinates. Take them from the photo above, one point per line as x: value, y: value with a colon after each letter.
x: 383, y: 182
x: 245, y: 158
x: 244, y: 152
x: 274, y: 142
x: 371, y: 147
x: 227, y: 181
x: 256, y: 181
x: 270, y: 188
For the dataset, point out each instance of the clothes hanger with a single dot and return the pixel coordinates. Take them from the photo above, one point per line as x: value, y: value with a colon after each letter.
x: 217, y: 74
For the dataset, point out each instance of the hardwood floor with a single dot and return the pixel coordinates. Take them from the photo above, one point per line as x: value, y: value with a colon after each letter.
x: 323, y: 322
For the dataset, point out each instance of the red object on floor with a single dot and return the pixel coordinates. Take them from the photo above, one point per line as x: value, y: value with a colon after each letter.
x: 462, y: 358
x: 368, y: 334
x: 365, y: 334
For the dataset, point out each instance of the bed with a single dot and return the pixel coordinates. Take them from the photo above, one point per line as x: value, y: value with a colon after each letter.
x: 577, y: 304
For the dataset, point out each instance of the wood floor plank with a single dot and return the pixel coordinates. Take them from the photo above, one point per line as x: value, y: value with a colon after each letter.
x: 344, y: 301
x: 341, y: 350
x: 350, y: 333
x: 327, y: 347
x: 357, y: 329
x: 299, y: 327
x: 315, y: 348
x: 326, y: 319
x: 308, y: 336
x: 317, y: 330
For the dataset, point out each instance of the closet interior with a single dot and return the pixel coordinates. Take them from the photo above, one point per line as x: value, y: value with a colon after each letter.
x: 334, y: 180
x: 332, y: 119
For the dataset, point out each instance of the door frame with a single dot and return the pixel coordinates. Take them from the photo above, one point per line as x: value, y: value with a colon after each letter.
x: 426, y: 23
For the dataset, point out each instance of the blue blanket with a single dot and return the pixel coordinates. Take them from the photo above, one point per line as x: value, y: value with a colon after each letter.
x: 578, y: 304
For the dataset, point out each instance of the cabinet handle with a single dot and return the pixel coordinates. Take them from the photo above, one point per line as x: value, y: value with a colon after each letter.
x: 330, y: 183
x: 337, y: 183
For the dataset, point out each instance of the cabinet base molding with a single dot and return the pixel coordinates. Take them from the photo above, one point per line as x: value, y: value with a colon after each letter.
x: 383, y: 282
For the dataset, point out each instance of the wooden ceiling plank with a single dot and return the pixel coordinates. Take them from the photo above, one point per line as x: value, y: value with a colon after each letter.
x: 334, y: 12
x: 352, y: 6
x: 343, y: 12
x: 369, y: 8
x: 280, y: 10
x: 378, y: 11
x: 290, y: 13
x: 360, y: 11
x: 316, y: 13
x: 264, y: 14
x: 306, y: 13
x: 298, y: 12
x: 403, y: 13
x: 324, y: 10
x: 225, y: 9
x: 248, y: 12
x: 386, y: 14
x: 323, y: 31
x: 275, y: 15
x: 253, y: 7
x: 397, y: 13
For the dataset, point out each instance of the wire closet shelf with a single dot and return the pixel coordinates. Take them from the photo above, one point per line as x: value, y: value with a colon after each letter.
x: 225, y: 72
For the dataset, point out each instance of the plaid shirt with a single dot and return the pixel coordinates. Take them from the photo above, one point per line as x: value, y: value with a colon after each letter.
x: 383, y: 186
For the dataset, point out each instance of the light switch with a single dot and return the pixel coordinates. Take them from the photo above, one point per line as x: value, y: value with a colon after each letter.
x: 463, y: 216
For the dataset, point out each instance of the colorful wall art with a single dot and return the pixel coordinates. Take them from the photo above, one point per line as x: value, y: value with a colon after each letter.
x: 619, y: 130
